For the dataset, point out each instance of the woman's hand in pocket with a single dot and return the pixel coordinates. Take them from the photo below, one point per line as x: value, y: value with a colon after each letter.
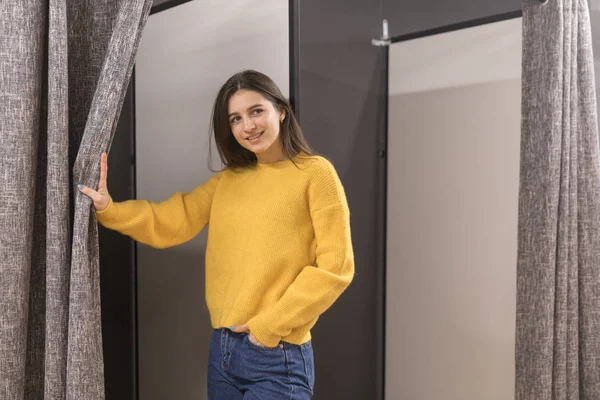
x: 244, y: 329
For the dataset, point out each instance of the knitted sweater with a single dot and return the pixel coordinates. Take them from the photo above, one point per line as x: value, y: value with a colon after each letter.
x: 279, y: 251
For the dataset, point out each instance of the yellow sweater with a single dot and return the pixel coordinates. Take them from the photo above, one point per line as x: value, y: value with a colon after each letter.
x: 279, y: 251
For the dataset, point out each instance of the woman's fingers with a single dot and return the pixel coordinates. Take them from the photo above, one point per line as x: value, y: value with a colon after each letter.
x: 100, y: 197
x: 243, y: 329
x: 254, y: 340
x: 239, y: 329
x: 103, y: 173
x: 92, y: 194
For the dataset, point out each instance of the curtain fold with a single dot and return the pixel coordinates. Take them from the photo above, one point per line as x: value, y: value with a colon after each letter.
x: 64, y: 71
x: 558, y: 268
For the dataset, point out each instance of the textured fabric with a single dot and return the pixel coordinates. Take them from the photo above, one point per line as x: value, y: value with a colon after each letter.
x: 558, y: 285
x: 64, y: 69
x: 279, y: 250
x: 239, y: 369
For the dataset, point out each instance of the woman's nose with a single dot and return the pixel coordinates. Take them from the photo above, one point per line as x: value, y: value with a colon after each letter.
x: 249, y: 125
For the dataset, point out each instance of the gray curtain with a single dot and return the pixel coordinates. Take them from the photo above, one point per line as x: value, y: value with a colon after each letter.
x: 558, y: 278
x: 64, y: 70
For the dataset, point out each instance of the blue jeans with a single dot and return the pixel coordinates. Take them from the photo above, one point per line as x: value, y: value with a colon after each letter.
x: 241, y: 370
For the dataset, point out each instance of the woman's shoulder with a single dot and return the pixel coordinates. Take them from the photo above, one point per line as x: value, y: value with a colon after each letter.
x: 315, y: 164
x: 325, y: 187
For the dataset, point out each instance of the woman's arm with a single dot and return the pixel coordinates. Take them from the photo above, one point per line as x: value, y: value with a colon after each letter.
x: 317, y: 286
x: 165, y: 224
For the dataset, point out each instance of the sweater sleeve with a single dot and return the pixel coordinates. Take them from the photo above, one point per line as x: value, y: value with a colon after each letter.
x: 317, y: 286
x: 165, y: 224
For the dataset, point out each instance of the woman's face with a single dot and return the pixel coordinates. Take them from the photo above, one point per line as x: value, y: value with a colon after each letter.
x: 255, y: 124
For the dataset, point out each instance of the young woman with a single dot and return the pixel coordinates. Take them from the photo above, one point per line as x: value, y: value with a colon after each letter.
x: 279, y: 251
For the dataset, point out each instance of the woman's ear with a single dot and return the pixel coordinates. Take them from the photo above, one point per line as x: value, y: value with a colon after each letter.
x: 282, y: 116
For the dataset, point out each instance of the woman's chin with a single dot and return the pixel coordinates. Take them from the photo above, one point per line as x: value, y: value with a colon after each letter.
x: 257, y: 149
x: 261, y: 145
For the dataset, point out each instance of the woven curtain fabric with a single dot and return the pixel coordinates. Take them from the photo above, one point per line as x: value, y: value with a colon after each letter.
x: 558, y: 278
x: 64, y: 71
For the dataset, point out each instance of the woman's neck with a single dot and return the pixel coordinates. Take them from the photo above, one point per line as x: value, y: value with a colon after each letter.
x: 272, y: 155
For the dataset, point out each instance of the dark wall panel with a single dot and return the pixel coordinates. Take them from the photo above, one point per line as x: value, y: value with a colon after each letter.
x: 160, y: 2
x: 408, y: 16
x: 117, y: 269
x: 341, y: 99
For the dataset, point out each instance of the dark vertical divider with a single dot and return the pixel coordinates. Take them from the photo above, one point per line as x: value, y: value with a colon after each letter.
x: 342, y: 98
x: 294, y: 23
x: 117, y: 268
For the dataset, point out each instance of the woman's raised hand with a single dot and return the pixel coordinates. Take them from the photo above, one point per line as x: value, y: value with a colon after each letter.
x: 100, y: 197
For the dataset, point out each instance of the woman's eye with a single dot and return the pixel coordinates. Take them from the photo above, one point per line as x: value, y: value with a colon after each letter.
x: 235, y: 119
x: 257, y: 111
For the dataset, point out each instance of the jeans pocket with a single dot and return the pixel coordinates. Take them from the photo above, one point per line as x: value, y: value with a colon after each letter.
x: 260, y: 346
x: 309, y: 364
x: 261, y: 364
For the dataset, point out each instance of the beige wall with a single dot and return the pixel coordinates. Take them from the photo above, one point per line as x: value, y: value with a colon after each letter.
x: 454, y: 137
x: 186, y: 54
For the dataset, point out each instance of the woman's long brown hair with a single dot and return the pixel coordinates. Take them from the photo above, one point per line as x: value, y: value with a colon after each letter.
x: 232, y: 154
